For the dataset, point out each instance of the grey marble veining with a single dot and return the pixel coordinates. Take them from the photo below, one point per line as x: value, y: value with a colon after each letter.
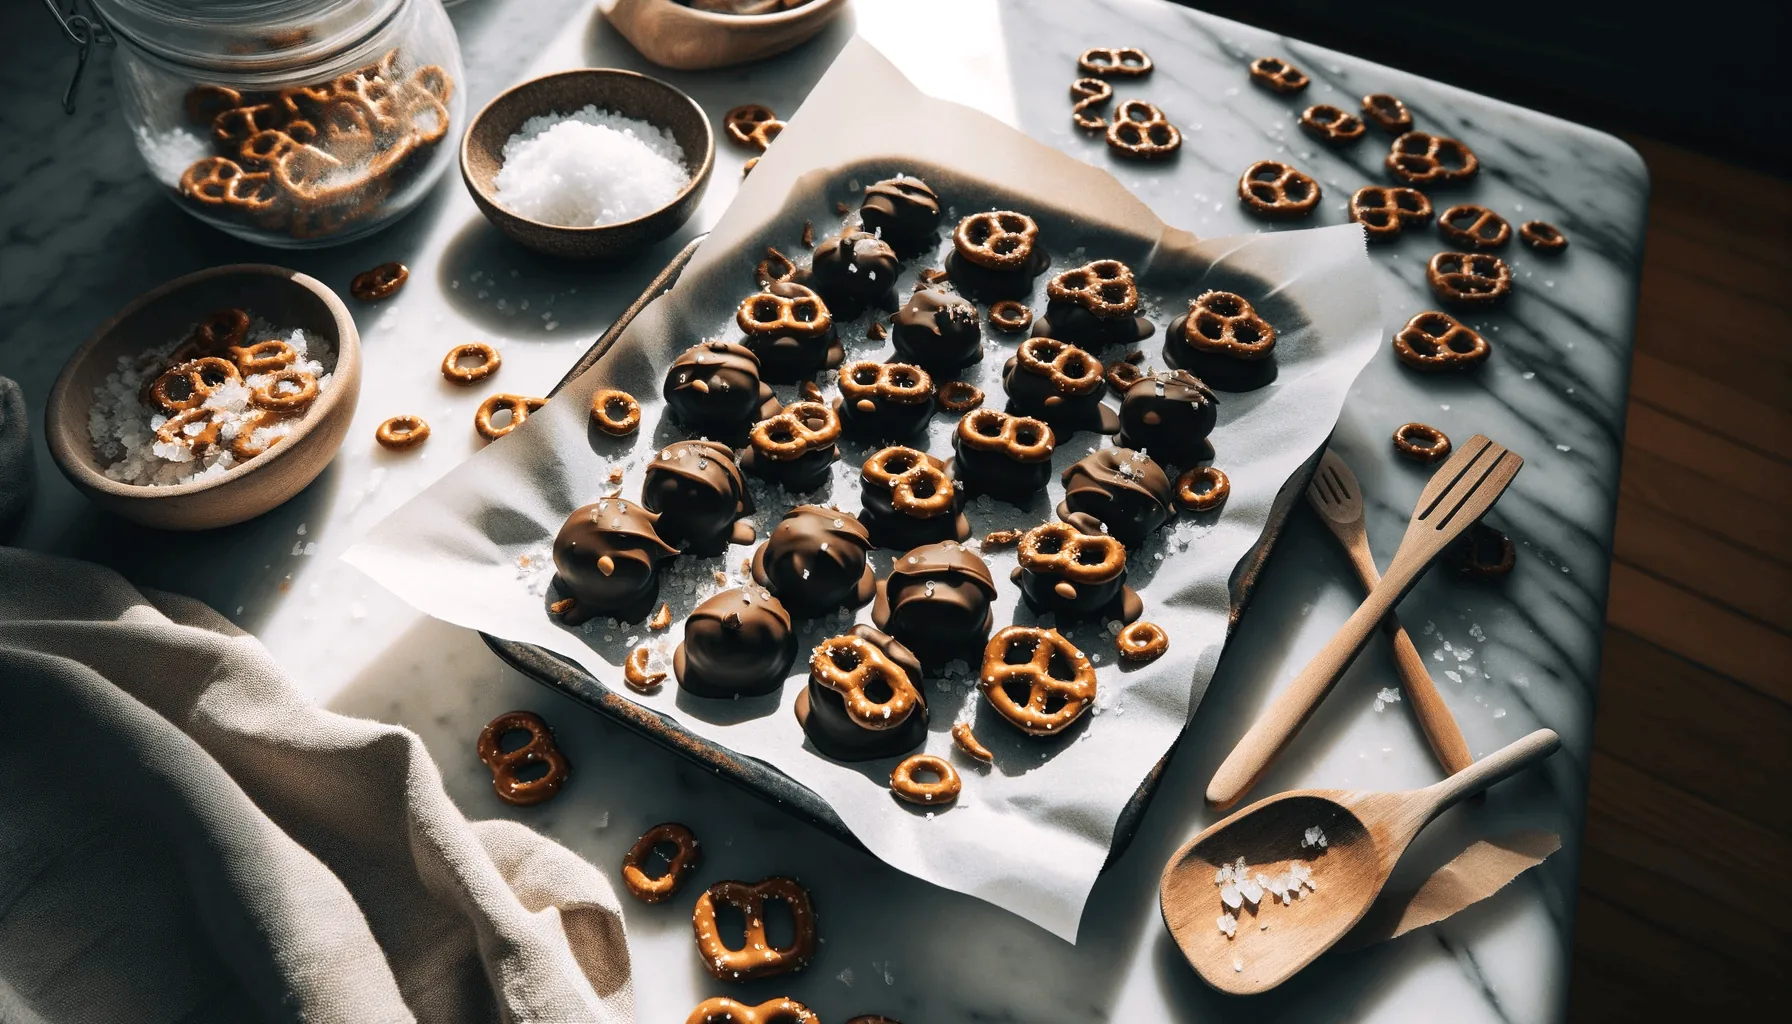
x: 85, y: 231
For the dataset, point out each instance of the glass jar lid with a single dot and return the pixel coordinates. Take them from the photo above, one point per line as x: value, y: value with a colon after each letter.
x: 245, y: 36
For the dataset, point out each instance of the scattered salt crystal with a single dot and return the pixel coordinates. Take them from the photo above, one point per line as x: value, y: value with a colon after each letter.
x: 1314, y: 836
x: 845, y: 976
x: 1499, y: 712
x: 1238, y: 965
x: 1454, y: 676
x: 1227, y: 924
x: 1388, y: 694
x: 1476, y: 632
x: 589, y: 167
x: 1230, y: 896
x: 301, y: 529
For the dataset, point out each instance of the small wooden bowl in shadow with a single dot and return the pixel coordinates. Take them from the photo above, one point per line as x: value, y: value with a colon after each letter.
x: 675, y: 35
x: 621, y: 92
x: 285, y: 298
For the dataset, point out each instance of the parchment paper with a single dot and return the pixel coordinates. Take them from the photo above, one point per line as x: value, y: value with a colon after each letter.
x: 1031, y: 833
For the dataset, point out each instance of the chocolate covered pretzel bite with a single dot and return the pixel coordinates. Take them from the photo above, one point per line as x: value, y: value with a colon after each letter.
x: 1094, y: 305
x: 1058, y: 383
x: 1076, y: 575
x: 996, y: 255
x: 1223, y: 341
x: 864, y: 698
x: 884, y: 401
x: 1003, y: 456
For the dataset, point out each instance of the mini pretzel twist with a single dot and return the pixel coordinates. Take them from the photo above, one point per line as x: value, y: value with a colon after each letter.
x: 997, y: 240
x: 775, y: 267
x: 1011, y: 315
x: 1271, y: 188
x: 1384, y: 212
x: 198, y: 378
x: 1421, y: 442
x: 263, y: 356
x: 1063, y: 551
x: 847, y: 665
x: 243, y: 445
x: 1332, y: 124
x: 1072, y: 370
x: 1193, y: 497
x: 615, y: 412
x: 869, y: 381
x: 252, y: 193
x: 380, y: 282
x: 1474, y: 227
x: 917, y: 482
x: 966, y: 740
x: 520, y: 407
x: 1118, y: 61
x: 286, y: 390
x: 1468, y: 279
x: 400, y: 432
x: 505, y: 764
x: 207, y: 181
x: 1420, y: 157
x: 174, y: 429
x: 1225, y: 322
x: 1089, y: 94
x: 1543, y: 236
x: 1484, y: 553
x: 220, y: 331
x: 1142, y: 641
x: 722, y: 1010
x: 1278, y: 75
x: 1435, y: 340
x: 943, y: 790
x: 959, y: 396
x: 1141, y: 131
x: 1104, y: 287
x: 489, y: 361
x: 1388, y: 113
x: 752, y: 125
x: 686, y: 855
x: 636, y: 674
x: 1044, y: 649
x: 800, y: 428
x: 1021, y: 438
x: 757, y: 957
x: 1122, y: 376
x: 804, y: 316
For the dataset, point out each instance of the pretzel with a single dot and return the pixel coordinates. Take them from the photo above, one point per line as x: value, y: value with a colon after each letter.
x: 685, y: 857
x: 1105, y: 288
x: 747, y: 168
x: 1483, y: 552
x: 1468, y: 279
x: 1045, y: 650
x: 520, y: 407
x: 1010, y: 315
x: 615, y: 412
x: 1332, y: 124
x: 488, y: 364
x: 400, y: 432
x: 996, y: 240
x: 232, y: 127
x: 1003, y: 538
x: 1142, y: 642
x: 1434, y: 340
x: 1384, y: 212
x: 966, y: 740
x: 265, y: 147
x: 1141, y: 131
x: 635, y: 673
x: 757, y: 958
x: 207, y: 180
x: 1543, y: 236
x: 876, y: 331
x: 1225, y: 322
x: 381, y: 282
x: 263, y: 356
x: 205, y: 102
x: 959, y: 396
x: 1062, y: 550
x: 504, y: 764
x: 244, y: 445
x: 1421, y: 442
x: 218, y: 332
x: 1388, y: 113
x: 867, y: 381
x: 1089, y: 93
x: 1122, y: 376
x: 1021, y: 438
x: 271, y: 394
x: 174, y: 429
x: 1485, y: 229
x: 1278, y: 75
x: 722, y: 1010
x: 750, y: 125
x: 253, y: 193
x: 1271, y: 188
x: 767, y: 314
x: 1119, y: 61
x: 943, y: 790
x: 774, y: 268
x: 1072, y: 371
x: 917, y: 482
x: 1192, y: 498
x: 848, y: 665
x: 1420, y: 157
x: 797, y: 430
x: 200, y: 376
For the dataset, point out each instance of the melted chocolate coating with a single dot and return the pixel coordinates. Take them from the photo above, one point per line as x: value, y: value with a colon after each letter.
x: 786, y: 358
x: 1218, y: 371
x: 1069, y: 321
x: 814, y: 562
x: 937, y: 600
x: 737, y: 643
x: 988, y: 285
x: 621, y: 536
x: 979, y: 471
x: 884, y: 420
x: 713, y: 389
x: 700, y: 495
x: 891, y: 528
x: 851, y: 271
x: 800, y: 475
x: 1169, y: 415
x: 1118, y: 488
x: 1035, y: 394
x: 937, y: 331
x: 902, y: 210
x: 1051, y: 592
x: 822, y: 712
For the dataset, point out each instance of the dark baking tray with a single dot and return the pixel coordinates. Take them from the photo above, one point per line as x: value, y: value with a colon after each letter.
x: 757, y: 777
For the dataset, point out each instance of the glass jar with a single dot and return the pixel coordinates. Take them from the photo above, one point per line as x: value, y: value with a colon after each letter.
x: 292, y: 123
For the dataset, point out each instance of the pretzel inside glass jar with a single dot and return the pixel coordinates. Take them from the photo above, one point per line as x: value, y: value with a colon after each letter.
x: 855, y: 668
x: 917, y: 482
x: 1036, y: 680
x: 757, y: 957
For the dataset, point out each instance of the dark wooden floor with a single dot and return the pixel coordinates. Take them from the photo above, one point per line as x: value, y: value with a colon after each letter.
x: 1686, y: 882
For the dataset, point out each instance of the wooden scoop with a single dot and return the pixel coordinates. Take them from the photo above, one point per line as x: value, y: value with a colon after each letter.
x: 1365, y: 834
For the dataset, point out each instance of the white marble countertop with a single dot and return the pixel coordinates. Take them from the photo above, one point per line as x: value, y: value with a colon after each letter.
x: 86, y: 231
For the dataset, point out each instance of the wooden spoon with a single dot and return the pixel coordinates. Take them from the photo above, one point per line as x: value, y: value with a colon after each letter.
x: 1365, y: 835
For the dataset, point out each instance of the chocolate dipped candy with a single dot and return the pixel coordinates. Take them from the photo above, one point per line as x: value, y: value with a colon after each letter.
x: 814, y: 561
x: 1119, y: 492
x: 908, y: 500
x: 884, y: 401
x: 1223, y: 341
x: 1003, y: 456
x: 790, y: 330
x: 1076, y: 575
x: 851, y: 271
x: 736, y: 644
x: 713, y: 389
x: 795, y: 449
x: 996, y: 255
x: 864, y: 699
x: 1057, y: 382
x: 607, y: 559
x: 700, y: 497
x: 937, y: 600
x: 903, y: 211
x: 1093, y: 306
x: 937, y: 330
x: 1169, y: 415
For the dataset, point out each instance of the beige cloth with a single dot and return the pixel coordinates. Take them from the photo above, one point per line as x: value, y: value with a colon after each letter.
x: 184, y: 838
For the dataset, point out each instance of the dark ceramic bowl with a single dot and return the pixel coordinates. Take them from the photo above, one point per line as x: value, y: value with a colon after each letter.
x: 622, y: 92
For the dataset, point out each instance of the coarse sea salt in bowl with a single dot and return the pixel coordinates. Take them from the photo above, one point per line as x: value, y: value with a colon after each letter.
x: 101, y: 435
x: 592, y: 163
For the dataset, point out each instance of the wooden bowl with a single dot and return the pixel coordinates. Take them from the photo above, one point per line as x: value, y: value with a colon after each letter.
x: 675, y: 36
x: 623, y: 92
x: 280, y: 296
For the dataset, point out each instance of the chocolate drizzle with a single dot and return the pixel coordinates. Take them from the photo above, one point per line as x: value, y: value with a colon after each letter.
x: 700, y: 496
x: 736, y: 644
x: 822, y: 711
x: 713, y: 389
x: 903, y: 211
x: 814, y: 561
x: 607, y: 557
x: 938, y: 331
x: 1117, y: 491
x: 937, y: 600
